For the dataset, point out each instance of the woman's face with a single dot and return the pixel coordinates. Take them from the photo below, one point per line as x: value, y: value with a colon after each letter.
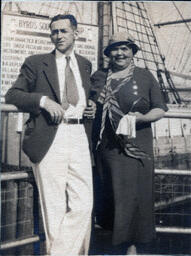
x: 121, y: 56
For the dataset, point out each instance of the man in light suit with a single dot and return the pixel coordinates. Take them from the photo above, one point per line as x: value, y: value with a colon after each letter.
x: 56, y: 137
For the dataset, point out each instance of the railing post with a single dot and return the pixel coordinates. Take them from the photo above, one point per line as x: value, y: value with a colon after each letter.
x: 36, y: 246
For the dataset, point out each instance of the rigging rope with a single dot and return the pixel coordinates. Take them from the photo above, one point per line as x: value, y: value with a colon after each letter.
x: 159, y: 73
x: 182, y: 55
x: 140, y: 41
x: 147, y: 34
x: 170, y: 50
x: 181, y: 16
x: 167, y: 74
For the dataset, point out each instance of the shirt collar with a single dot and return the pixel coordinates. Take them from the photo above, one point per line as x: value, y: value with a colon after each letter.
x: 61, y: 55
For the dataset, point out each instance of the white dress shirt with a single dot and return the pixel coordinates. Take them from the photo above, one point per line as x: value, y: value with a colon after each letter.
x: 72, y: 111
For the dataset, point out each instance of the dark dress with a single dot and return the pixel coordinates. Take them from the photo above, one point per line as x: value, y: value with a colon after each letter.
x: 125, y: 199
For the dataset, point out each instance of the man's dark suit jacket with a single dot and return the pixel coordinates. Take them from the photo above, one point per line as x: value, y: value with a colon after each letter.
x: 38, y: 77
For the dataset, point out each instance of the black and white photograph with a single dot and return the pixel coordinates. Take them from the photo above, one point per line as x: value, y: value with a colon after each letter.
x: 95, y: 128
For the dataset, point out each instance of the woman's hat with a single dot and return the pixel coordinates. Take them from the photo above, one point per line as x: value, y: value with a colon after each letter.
x: 121, y: 38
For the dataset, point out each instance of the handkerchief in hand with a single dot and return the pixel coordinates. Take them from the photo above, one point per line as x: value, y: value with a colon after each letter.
x: 127, y: 126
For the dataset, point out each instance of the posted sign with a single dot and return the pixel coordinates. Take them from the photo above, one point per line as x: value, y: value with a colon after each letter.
x: 24, y: 36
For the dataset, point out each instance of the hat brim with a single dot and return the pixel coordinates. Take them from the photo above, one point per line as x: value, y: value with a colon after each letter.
x: 134, y: 47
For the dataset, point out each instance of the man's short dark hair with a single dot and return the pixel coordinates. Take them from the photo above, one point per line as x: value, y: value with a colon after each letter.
x: 69, y: 17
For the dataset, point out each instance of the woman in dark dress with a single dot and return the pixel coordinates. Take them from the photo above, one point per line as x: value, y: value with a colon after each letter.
x: 124, y: 161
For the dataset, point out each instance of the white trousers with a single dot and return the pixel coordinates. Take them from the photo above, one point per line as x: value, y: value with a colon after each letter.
x: 64, y: 181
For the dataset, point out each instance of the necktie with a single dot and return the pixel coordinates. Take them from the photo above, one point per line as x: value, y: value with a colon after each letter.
x: 70, y: 94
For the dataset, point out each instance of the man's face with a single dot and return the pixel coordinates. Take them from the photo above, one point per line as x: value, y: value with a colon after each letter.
x: 63, y: 35
x: 121, y: 56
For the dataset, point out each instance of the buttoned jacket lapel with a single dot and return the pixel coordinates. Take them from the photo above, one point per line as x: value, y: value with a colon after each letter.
x: 85, y: 72
x: 51, y: 73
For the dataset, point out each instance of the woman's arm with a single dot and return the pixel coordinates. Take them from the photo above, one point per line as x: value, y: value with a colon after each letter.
x: 152, y: 116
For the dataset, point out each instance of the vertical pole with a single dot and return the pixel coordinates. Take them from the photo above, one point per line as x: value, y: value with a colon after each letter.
x: 36, y: 246
x: 114, y: 17
x: 10, y: 6
x: 6, y: 137
x: 106, y: 27
x: 19, y: 131
x: 101, y: 27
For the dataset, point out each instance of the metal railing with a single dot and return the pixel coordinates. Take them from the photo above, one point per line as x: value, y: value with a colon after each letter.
x: 19, y: 175
x: 169, y: 114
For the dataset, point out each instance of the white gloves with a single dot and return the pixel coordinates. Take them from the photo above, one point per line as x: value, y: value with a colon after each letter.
x: 127, y: 126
